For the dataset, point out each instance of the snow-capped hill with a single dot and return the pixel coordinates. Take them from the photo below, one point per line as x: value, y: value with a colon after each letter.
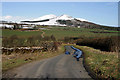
x: 81, y: 19
x: 63, y: 20
x: 45, y: 17
x: 65, y: 17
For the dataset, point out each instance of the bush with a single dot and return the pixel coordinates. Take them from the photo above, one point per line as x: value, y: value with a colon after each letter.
x: 104, y: 44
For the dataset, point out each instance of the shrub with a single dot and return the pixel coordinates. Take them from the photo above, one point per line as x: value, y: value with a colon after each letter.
x: 104, y: 44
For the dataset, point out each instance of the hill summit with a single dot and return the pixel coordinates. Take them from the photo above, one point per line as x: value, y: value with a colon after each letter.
x: 66, y: 20
x: 51, y: 19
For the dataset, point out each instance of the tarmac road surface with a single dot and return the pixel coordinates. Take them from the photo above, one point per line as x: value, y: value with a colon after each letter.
x: 61, y: 66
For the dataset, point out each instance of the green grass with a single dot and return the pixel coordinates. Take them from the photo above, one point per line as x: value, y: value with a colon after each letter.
x: 60, y: 32
x: 104, y: 64
x: 12, y: 63
x: 8, y: 33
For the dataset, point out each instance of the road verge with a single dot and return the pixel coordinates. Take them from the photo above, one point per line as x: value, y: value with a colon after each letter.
x: 18, y: 59
x: 100, y: 64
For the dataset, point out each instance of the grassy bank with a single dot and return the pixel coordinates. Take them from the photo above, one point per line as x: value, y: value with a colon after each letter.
x: 17, y: 59
x: 103, y: 64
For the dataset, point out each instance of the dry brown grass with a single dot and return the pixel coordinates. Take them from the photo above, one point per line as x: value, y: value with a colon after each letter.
x: 17, y: 59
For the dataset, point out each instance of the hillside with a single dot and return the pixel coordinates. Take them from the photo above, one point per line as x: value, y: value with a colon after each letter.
x: 66, y: 20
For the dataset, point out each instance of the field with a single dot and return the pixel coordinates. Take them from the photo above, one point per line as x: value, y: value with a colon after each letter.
x: 24, y: 34
x: 105, y: 39
x: 61, y: 32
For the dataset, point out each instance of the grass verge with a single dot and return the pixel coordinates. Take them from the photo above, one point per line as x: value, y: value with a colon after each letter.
x: 17, y: 59
x: 103, y: 64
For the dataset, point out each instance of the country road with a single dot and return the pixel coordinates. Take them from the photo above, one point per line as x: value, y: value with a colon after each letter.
x: 61, y: 66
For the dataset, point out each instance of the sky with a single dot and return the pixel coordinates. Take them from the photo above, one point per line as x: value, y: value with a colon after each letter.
x: 59, y: 0
x: 104, y: 13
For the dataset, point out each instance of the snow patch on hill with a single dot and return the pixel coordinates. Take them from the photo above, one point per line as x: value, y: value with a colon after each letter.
x: 45, y: 17
x: 65, y: 17
x: 53, y: 19
x: 81, y: 19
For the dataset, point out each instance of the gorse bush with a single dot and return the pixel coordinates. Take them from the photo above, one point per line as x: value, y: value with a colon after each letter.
x: 104, y: 44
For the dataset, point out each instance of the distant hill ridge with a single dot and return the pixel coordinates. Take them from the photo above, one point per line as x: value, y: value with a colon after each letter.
x: 66, y: 20
x: 63, y: 20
